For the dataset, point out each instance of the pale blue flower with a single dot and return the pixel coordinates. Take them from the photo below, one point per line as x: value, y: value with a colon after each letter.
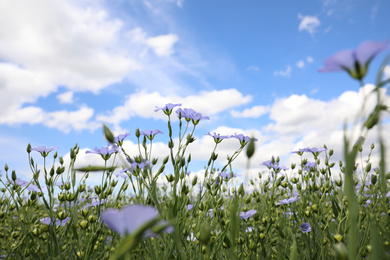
x: 287, y: 201
x: 150, y: 133
x: 248, y: 214
x: 43, y: 150
x: 305, y: 227
x: 355, y: 62
x: 129, y: 219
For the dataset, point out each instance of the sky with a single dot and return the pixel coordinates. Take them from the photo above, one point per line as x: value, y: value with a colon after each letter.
x: 67, y: 67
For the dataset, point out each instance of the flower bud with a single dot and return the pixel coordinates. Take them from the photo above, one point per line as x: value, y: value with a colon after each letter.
x: 374, y: 178
x: 84, y: 224
x: 166, y: 160
x: 170, y: 178
x: 194, y: 180
x: 108, y: 134
x: 241, y: 190
x: 137, y: 133
x: 14, y: 175
x: 250, y: 150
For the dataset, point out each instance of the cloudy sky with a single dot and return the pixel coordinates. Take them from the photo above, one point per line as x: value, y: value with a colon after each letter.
x: 67, y: 66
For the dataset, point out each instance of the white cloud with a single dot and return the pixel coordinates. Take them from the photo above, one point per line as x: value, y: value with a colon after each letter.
x: 283, y: 73
x: 66, y: 97
x: 49, y: 44
x: 300, y: 64
x: 310, y: 59
x: 308, y: 23
x: 253, y: 112
x: 163, y: 45
x: 64, y: 121
x: 142, y: 104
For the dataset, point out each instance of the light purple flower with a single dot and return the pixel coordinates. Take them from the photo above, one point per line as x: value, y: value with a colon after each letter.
x: 218, y: 138
x: 305, y: 227
x: 227, y: 175
x: 189, y: 206
x: 309, y: 165
x: 167, y: 108
x: 310, y: 150
x: 150, y: 133
x: 355, y: 62
x: 274, y: 165
x: 106, y: 150
x: 287, y: 201
x: 242, y: 138
x: 135, y: 165
x: 130, y: 219
x: 58, y: 222
x: 120, y: 137
x: 190, y: 114
x: 248, y: 214
x: 43, y: 150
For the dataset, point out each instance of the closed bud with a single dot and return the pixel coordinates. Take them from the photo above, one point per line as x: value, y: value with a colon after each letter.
x: 92, y: 219
x: 108, y: 134
x: 330, y: 152
x: 61, y: 215
x: 250, y: 150
x: 137, y: 133
x: 241, y: 190
x: 189, y: 158
x: 166, y: 160
x: 28, y: 149
x: 293, y: 166
x: 84, y: 212
x: 98, y: 190
x: 171, y: 144
x: 13, y: 175
x: 51, y: 171
x: 154, y: 161
x: 72, y: 154
x: 84, y: 224
x: 170, y: 178
x: 374, y: 178
x: 299, y: 186
x: 194, y: 180
x: 368, y: 167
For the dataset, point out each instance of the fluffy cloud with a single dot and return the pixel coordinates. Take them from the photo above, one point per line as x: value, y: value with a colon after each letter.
x: 284, y: 73
x: 66, y: 97
x: 163, y: 45
x: 213, y: 102
x: 64, y: 121
x: 253, y: 112
x: 308, y: 23
x: 50, y: 44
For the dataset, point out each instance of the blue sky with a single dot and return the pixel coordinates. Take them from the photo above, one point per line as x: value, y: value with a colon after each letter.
x: 251, y: 66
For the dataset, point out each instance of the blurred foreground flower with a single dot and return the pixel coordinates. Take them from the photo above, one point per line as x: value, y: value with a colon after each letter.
x: 355, y: 62
x: 131, y: 218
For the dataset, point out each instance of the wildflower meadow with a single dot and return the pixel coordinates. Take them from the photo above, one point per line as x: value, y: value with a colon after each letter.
x: 315, y: 208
